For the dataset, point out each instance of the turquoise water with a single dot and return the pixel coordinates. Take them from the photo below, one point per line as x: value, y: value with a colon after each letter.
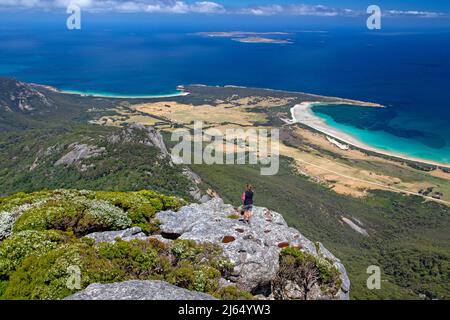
x: 124, y: 96
x: 383, y: 140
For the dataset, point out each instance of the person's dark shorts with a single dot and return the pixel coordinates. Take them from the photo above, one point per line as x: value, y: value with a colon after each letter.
x: 248, y: 207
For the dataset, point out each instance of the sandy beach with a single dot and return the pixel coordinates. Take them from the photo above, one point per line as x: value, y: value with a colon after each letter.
x: 302, y: 113
x: 108, y: 95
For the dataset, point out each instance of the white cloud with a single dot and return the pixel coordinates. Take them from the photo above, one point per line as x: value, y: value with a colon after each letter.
x: 412, y: 13
x: 202, y: 7
x: 151, y: 6
x: 296, y: 10
x: 208, y: 7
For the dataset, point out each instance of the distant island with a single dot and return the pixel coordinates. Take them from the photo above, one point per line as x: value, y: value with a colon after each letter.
x: 249, y: 37
x: 261, y: 40
x: 240, y: 34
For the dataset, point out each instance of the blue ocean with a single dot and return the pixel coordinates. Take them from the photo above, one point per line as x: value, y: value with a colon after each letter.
x: 407, y: 70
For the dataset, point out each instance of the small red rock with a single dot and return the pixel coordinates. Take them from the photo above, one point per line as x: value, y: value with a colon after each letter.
x: 283, y: 244
x: 228, y: 239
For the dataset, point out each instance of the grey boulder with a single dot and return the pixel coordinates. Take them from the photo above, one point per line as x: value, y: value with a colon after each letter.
x: 138, y: 290
x: 110, y: 236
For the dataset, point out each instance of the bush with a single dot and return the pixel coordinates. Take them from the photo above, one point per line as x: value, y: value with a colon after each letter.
x: 137, y: 259
x: 38, y: 260
x: 141, y: 206
x: 83, y: 211
x: 21, y: 198
x: 47, y: 276
x: 198, y: 253
x: 306, y: 272
x: 233, y: 293
x: 81, y: 215
x: 26, y: 243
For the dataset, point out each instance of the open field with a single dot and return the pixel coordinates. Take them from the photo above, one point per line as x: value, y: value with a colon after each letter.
x: 354, y: 172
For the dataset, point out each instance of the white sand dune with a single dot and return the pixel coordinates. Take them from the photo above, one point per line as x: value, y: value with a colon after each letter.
x: 302, y: 113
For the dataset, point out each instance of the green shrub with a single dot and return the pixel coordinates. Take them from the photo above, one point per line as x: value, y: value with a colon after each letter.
x: 81, y: 215
x: 47, y: 276
x: 197, y: 253
x: 328, y: 273
x: 183, y: 275
x: 83, y: 211
x: 18, y: 199
x: 206, y: 279
x: 141, y: 206
x: 136, y: 258
x: 88, y: 211
x: 38, y: 259
x: 26, y: 243
x: 232, y: 293
x: 306, y: 271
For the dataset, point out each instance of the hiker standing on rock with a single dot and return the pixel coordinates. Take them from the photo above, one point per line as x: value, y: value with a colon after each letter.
x: 247, y: 197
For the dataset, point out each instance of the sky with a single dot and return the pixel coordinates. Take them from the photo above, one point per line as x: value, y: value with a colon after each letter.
x: 244, y: 14
x: 413, y: 8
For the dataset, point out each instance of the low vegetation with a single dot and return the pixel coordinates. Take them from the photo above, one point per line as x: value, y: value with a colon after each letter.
x: 306, y: 273
x: 47, y: 242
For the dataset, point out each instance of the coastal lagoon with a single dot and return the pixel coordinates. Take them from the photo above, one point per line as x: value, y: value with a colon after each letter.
x: 407, y: 71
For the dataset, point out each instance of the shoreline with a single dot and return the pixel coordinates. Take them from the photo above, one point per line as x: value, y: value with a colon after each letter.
x: 302, y: 113
x: 181, y: 92
x: 124, y: 96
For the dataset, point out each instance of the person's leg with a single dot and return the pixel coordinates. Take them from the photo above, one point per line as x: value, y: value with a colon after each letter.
x: 250, y: 213
x: 246, y: 214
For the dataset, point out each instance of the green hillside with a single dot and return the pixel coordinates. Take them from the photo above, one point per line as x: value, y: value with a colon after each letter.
x: 408, y: 238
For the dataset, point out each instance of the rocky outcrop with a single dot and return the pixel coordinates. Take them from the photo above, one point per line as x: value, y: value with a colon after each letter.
x: 194, y: 190
x: 253, y: 249
x: 355, y: 226
x: 150, y: 136
x: 138, y: 290
x: 79, y: 152
x: 111, y: 236
x: 17, y: 96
